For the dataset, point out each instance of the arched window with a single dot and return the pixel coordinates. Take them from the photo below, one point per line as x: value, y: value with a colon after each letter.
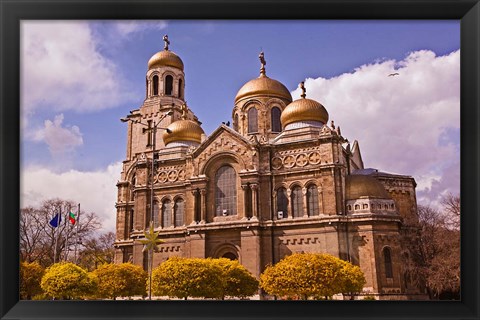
x: 198, y: 199
x: 349, y: 207
x: 276, y: 125
x: 252, y: 120
x: 248, y: 201
x: 156, y: 214
x: 387, y: 257
x: 312, y: 200
x: 168, y: 85
x: 357, y: 207
x: 180, y: 92
x: 155, y: 85
x: 365, y: 206
x: 166, y: 213
x: 179, y: 212
x: 282, y: 201
x: 225, y: 191
x: 297, y: 202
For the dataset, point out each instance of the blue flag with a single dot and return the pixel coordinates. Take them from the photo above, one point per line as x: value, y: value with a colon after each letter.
x: 56, y: 220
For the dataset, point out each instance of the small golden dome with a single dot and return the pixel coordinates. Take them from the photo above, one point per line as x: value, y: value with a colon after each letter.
x: 263, y: 85
x: 358, y: 186
x: 304, y: 110
x: 183, y: 130
x: 165, y: 58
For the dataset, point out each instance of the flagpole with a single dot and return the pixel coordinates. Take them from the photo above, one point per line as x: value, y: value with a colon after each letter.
x: 67, y: 234
x: 56, y: 238
x: 76, y: 232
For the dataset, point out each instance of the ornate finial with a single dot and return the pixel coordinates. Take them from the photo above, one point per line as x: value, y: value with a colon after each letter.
x: 263, y: 62
x: 332, y: 124
x: 165, y: 39
x: 302, y: 86
x: 184, y: 111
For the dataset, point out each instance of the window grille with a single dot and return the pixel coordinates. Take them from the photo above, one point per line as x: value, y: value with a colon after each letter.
x: 225, y: 191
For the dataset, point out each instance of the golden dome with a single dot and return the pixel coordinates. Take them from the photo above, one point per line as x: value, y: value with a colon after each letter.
x: 358, y: 186
x: 183, y: 130
x: 165, y: 58
x: 304, y: 110
x: 263, y: 85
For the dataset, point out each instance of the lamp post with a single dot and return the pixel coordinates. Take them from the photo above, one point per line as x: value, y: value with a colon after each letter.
x: 153, y: 131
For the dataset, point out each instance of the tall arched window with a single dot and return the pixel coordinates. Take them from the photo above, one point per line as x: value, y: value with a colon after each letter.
x: 252, y: 120
x: 155, y: 85
x: 388, y: 262
x: 167, y: 213
x: 297, y: 202
x: 276, y: 125
x: 180, y: 92
x: 156, y: 214
x: 168, y: 85
x: 179, y: 212
x: 282, y: 201
x: 197, y: 208
x: 225, y: 191
x: 248, y: 201
x: 312, y: 200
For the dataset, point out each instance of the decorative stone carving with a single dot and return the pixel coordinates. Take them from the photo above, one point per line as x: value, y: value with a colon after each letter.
x: 314, y: 157
x: 277, y: 163
x: 289, y: 161
x: 302, y: 160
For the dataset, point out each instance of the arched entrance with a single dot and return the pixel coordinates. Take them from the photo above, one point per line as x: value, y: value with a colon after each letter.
x: 230, y: 255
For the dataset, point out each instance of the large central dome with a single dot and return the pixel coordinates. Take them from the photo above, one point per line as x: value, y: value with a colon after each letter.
x: 263, y: 85
x: 165, y: 58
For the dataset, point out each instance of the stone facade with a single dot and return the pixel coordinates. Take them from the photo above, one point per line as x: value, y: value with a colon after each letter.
x: 288, y: 190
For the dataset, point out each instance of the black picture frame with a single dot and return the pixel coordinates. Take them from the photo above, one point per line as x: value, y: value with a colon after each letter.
x: 13, y: 11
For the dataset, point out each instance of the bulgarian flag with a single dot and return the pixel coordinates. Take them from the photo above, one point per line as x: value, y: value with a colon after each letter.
x: 72, y: 218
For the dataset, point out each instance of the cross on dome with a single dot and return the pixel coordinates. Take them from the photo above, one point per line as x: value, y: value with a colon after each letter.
x: 167, y: 42
x: 304, y: 90
x: 261, y: 56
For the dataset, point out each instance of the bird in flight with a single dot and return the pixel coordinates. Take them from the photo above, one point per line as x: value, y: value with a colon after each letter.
x: 394, y: 74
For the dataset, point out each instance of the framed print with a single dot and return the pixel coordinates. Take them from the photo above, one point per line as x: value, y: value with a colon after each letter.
x: 288, y: 140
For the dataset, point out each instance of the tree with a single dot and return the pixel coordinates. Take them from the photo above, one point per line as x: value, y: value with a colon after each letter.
x: 187, y: 277
x: 30, y: 278
x: 353, y: 279
x: 432, y: 254
x: 304, y: 275
x: 97, y: 251
x: 150, y: 244
x: 237, y: 281
x: 120, y: 280
x: 38, y: 238
x: 66, y: 280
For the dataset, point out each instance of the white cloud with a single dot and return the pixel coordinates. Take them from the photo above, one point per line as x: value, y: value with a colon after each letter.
x: 128, y: 27
x: 95, y: 190
x: 61, y: 69
x: 401, y: 121
x: 59, y: 139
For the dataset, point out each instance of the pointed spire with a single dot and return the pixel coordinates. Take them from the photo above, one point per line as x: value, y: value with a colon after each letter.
x: 167, y: 42
x: 304, y: 90
x: 261, y: 56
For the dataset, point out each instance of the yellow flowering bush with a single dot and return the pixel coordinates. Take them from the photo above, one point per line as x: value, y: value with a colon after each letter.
x: 120, y: 280
x: 66, y: 280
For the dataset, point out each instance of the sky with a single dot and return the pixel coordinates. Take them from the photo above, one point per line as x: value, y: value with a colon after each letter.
x: 78, y: 78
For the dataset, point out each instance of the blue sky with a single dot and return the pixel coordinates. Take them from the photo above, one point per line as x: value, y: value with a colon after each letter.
x: 80, y: 77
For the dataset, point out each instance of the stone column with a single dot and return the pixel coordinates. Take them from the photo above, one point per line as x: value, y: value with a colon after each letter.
x: 274, y: 204
x: 172, y: 216
x: 305, y: 204
x: 254, y: 188
x: 203, y: 213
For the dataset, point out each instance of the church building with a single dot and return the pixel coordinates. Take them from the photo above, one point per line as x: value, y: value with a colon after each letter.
x: 280, y: 180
